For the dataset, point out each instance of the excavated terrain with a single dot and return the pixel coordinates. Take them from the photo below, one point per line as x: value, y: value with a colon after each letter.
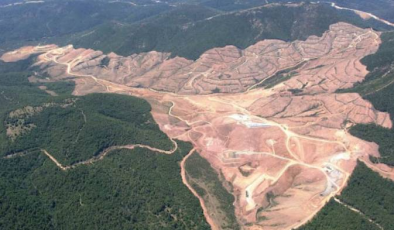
x: 324, y: 63
x: 267, y: 118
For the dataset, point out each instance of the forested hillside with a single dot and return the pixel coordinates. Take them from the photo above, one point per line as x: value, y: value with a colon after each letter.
x: 378, y: 88
x: 47, y: 135
x: 240, y: 29
x: 136, y: 189
x: 381, y: 8
x: 372, y: 195
x: 183, y: 28
x: 338, y: 217
x: 129, y: 189
x: 203, y: 178
x: 76, y: 129
x: 36, y: 23
x: 16, y: 92
x: 367, y: 192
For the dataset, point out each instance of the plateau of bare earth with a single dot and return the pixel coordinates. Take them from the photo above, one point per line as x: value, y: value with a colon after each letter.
x: 284, y: 149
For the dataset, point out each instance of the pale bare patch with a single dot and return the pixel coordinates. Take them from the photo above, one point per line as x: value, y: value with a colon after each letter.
x: 15, y: 122
x: 50, y: 92
x: 286, y: 150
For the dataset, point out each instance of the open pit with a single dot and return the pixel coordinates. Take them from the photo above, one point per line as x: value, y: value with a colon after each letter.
x: 283, y: 147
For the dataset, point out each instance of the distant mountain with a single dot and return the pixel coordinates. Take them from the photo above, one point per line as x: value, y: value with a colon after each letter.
x: 189, y: 31
x: 269, y: 157
x: 175, y: 26
x: 381, y: 8
x: 35, y: 23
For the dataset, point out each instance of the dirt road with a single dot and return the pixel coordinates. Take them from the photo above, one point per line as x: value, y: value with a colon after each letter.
x: 105, y: 152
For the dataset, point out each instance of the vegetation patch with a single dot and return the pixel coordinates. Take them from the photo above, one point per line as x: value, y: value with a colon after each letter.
x: 280, y: 76
x: 77, y: 131
x: 379, y: 90
x: 204, y: 179
x: 372, y: 195
x: 381, y: 67
x: 186, y: 32
x: 367, y: 192
x: 129, y: 189
x: 338, y: 217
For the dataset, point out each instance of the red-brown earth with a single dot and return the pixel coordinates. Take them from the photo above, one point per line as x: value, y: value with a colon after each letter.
x: 284, y: 150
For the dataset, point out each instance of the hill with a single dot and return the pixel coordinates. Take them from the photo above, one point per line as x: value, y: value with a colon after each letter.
x: 381, y: 8
x: 190, y: 38
x: 378, y: 88
x: 35, y: 23
x: 128, y: 189
x: 270, y: 153
x: 137, y: 189
x: 366, y: 192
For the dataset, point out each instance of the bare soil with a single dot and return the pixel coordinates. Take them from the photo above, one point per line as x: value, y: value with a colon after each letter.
x: 285, y: 150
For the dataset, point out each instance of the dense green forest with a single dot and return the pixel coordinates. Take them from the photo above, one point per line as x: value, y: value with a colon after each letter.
x: 368, y: 192
x: 16, y: 92
x: 382, y: 136
x: 141, y: 189
x: 378, y: 88
x: 338, y: 217
x: 204, y: 179
x: 155, y: 33
x: 183, y: 28
x: 189, y: 35
x: 128, y: 189
x: 380, y: 66
x: 136, y: 189
x: 36, y: 23
x: 372, y: 195
x: 71, y: 128
x: 381, y: 8
x: 87, y: 126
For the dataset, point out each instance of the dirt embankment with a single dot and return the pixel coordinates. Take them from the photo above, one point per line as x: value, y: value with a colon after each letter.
x: 285, y: 150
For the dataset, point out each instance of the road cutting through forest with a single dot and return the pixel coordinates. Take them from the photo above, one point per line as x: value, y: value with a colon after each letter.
x: 358, y: 212
x: 362, y: 14
x: 202, y: 203
x: 105, y: 152
x: 283, y: 154
x: 111, y: 87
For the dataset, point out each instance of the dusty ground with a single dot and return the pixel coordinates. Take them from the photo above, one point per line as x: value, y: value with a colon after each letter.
x: 285, y: 150
x: 327, y: 63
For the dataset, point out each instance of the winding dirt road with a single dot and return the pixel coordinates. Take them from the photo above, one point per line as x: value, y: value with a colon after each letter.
x: 358, y: 212
x: 105, y: 152
x: 363, y: 14
x: 285, y: 154
x: 184, y: 180
x: 195, y: 125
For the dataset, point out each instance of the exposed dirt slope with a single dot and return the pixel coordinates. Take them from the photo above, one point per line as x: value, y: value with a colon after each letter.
x: 284, y: 150
x: 321, y: 64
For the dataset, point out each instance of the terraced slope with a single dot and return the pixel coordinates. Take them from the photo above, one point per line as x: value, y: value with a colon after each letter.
x: 192, y: 38
x: 283, y: 151
x: 319, y: 64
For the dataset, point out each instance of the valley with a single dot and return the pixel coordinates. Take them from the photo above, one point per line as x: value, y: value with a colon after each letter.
x: 284, y: 150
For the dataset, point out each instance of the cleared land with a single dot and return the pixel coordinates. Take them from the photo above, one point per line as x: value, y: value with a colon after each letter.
x: 285, y: 151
